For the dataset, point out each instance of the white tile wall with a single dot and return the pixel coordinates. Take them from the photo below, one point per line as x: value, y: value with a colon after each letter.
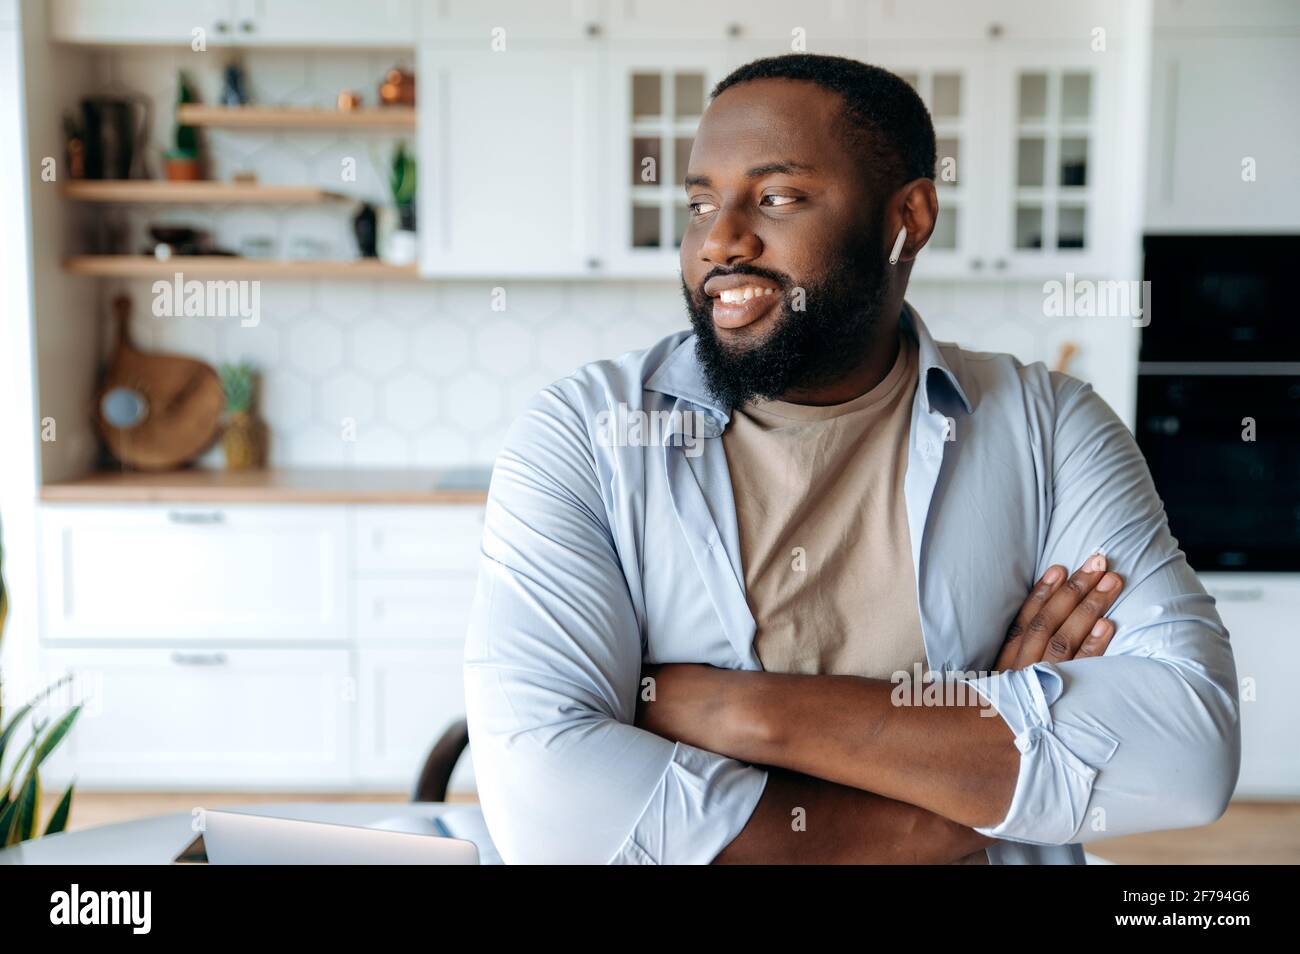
x: 429, y: 372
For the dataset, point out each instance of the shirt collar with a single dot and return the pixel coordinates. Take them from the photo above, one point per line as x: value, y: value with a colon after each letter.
x: 681, y: 375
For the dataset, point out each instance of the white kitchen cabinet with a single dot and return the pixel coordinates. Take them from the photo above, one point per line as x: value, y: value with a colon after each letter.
x: 380, y: 23
x: 142, y: 21
x: 1027, y: 147
x: 953, y: 83
x: 651, y: 105
x: 476, y: 24
x: 179, y: 573
x: 425, y: 610
x: 418, y: 539
x: 214, y: 718
x: 407, y: 699
x: 510, y: 143
x: 1260, y: 611
x: 1225, y: 145
x: 377, y: 23
x: 687, y: 24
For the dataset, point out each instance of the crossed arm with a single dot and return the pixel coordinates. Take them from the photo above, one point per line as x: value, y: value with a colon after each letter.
x: 1144, y: 738
x: 907, y: 782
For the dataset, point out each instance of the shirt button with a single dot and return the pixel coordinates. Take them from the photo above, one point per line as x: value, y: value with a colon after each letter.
x: 929, y: 448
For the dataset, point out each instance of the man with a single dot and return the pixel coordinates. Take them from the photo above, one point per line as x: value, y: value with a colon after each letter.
x: 777, y: 513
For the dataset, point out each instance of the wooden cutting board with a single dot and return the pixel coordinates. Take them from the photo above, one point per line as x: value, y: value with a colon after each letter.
x: 183, y: 403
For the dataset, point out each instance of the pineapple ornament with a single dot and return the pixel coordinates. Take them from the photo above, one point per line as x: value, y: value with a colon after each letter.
x: 244, y: 439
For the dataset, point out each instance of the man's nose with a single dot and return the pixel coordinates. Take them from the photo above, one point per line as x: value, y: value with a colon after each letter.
x: 731, y: 239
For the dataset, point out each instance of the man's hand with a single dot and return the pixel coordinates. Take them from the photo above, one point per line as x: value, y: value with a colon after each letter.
x: 1061, y: 622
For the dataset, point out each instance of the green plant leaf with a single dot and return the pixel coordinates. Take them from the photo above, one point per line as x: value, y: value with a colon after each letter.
x: 55, y: 736
x: 59, y: 820
x: 7, y: 817
x: 12, y: 727
x: 24, y: 823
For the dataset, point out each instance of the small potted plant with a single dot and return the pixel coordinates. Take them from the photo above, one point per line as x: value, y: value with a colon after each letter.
x: 181, y: 162
x: 243, y: 440
x: 400, y: 245
x: 20, y: 790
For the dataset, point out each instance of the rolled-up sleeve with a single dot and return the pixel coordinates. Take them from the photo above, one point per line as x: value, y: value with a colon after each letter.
x: 552, y: 671
x: 1145, y: 737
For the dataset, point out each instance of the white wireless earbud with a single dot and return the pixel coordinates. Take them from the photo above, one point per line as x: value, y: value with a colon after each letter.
x: 898, y: 246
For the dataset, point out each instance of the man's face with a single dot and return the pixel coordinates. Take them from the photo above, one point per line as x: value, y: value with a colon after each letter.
x: 782, y: 262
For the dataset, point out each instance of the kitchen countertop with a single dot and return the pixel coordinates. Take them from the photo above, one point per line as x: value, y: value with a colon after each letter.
x: 278, y: 485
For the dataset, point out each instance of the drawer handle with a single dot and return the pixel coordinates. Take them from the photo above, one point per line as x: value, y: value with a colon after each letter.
x: 191, y: 518
x: 199, y: 659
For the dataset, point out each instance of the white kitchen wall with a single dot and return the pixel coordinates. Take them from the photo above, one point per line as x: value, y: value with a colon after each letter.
x: 429, y: 372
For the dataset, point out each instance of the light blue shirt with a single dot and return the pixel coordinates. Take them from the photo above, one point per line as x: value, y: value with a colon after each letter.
x: 599, y: 554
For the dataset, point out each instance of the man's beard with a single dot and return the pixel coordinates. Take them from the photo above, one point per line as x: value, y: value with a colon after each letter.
x: 804, y: 349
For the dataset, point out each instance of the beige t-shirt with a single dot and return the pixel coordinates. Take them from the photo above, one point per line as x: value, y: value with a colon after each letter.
x: 824, y: 540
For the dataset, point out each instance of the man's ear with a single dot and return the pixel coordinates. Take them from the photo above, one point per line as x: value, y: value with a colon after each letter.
x: 914, y: 207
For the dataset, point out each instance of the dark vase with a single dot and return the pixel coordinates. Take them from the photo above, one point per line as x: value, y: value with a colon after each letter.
x: 363, y: 225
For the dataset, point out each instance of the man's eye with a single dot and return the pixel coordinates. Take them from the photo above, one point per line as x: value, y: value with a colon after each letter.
x: 780, y: 200
x: 700, y: 208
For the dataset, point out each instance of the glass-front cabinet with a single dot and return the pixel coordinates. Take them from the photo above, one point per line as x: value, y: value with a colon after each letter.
x: 655, y: 102
x: 1020, y: 143
x: 951, y: 86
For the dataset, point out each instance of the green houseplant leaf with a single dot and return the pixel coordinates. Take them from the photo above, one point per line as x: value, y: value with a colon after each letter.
x: 59, y: 820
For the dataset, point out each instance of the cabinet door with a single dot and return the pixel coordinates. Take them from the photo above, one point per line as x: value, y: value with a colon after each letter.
x: 407, y: 699
x: 689, y: 22
x: 423, y: 611
x: 425, y: 539
x: 1260, y: 611
x: 653, y: 101
x: 198, y: 718
x: 952, y: 83
x: 232, y: 573
x: 325, y: 23
x: 472, y: 24
x: 507, y: 143
x: 1225, y: 143
x: 1053, y: 126
x: 142, y: 21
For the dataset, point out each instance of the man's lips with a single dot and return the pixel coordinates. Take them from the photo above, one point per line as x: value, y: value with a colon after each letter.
x: 739, y: 300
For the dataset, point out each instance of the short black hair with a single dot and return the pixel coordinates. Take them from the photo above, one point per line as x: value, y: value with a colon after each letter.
x: 882, y: 113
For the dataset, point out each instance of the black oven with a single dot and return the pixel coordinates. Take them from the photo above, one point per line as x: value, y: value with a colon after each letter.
x: 1218, y: 402
x: 1224, y: 451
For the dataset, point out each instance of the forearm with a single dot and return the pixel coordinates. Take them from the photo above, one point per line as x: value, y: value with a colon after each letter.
x: 960, y: 762
x: 803, y: 820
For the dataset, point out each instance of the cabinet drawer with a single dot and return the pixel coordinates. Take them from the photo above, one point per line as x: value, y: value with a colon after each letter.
x: 430, y: 608
x: 229, y: 717
x: 418, y: 539
x: 1260, y: 610
x: 407, y: 698
x: 228, y: 573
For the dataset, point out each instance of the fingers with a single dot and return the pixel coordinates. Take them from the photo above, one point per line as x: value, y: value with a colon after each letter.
x: 1071, y: 634
x: 1054, y: 612
x: 1097, y: 640
x: 1037, y: 599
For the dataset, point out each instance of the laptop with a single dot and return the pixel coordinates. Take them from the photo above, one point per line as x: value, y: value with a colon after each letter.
x: 238, y: 838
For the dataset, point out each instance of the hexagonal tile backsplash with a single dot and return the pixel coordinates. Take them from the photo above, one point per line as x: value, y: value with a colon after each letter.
x: 422, y: 373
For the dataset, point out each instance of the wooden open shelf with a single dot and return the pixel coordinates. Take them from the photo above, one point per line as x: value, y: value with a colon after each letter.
x: 161, y: 191
x: 228, y: 266
x: 277, y: 485
x: 271, y: 117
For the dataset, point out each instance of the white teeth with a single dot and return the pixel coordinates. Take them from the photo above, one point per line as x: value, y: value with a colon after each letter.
x: 736, y: 296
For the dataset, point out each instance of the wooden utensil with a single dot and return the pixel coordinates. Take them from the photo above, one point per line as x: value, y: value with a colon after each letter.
x: 182, y: 398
